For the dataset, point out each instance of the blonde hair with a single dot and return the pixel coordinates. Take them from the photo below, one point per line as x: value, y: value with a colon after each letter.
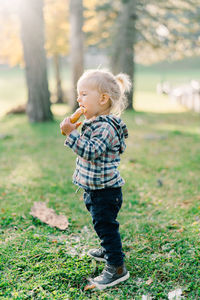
x: 114, y: 86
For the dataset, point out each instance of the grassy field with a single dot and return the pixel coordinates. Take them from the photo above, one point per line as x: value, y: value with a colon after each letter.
x: 13, y: 89
x: 159, y: 217
x: 13, y: 86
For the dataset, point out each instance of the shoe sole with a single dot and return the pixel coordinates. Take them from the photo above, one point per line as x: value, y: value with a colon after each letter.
x: 97, y: 258
x: 104, y: 286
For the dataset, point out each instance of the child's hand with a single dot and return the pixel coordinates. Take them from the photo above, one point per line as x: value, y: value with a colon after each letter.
x: 67, y: 127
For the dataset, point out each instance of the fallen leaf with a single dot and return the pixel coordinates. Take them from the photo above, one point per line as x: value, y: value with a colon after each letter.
x: 195, y: 223
x: 20, y: 109
x: 149, y: 281
x: 48, y: 216
x: 32, y: 227
x: 89, y: 287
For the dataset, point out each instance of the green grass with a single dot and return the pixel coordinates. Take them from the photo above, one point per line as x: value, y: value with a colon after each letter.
x: 159, y: 223
x: 159, y: 217
x: 178, y: 72
x: 13, y: 89
x: 13, y: 86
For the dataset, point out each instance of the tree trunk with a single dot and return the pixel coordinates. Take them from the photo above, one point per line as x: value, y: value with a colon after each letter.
x: 32, y: 34
x: 122, y: 59
x: 76, y: 43
x: 59, y: 92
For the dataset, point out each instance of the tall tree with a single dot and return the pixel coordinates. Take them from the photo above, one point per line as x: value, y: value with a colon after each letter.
x: 76, y: 44
x: 59, y: 91
x: 122, y: 59
x: 32, y: 34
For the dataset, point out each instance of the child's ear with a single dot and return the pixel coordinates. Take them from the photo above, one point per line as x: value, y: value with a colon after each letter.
x: 104, y: 98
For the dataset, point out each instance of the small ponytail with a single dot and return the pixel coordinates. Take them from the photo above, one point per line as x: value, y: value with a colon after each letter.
x: 124, y: 82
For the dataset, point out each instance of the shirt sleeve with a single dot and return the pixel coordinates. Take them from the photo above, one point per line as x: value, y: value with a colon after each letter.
x: 100, y: 139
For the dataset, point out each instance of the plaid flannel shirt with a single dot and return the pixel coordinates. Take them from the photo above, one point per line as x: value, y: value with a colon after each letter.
x: 98, y: 148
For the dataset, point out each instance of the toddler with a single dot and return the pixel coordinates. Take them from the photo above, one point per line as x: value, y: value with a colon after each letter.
x: 98, y: 147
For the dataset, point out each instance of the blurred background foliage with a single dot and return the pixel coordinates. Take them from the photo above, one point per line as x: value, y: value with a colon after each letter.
x: 79, y: 34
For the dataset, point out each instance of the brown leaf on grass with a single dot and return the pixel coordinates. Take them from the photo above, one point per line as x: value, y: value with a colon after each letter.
x: 89, y: 287
x: 149, y: 281
x: 48, y: 216
x: 20, y: 109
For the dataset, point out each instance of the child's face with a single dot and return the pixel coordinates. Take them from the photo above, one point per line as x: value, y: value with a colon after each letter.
x: 90, y: 99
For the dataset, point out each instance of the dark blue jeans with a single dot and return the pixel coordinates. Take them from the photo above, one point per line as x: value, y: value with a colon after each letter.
x: 104, y: 206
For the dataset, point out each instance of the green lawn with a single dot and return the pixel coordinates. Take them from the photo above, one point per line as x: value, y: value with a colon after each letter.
x: 13, y: 86
x: 159, y: 218
x: 13, y: 89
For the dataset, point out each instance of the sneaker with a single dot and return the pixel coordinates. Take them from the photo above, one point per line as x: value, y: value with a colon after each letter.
x: 97, y: 254
x: 110, y: 276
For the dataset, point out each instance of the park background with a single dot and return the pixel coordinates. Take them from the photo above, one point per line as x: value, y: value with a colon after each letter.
x: 45, y: 46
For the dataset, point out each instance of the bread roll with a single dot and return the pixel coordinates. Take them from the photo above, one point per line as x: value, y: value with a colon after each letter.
x: 75, y: 116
